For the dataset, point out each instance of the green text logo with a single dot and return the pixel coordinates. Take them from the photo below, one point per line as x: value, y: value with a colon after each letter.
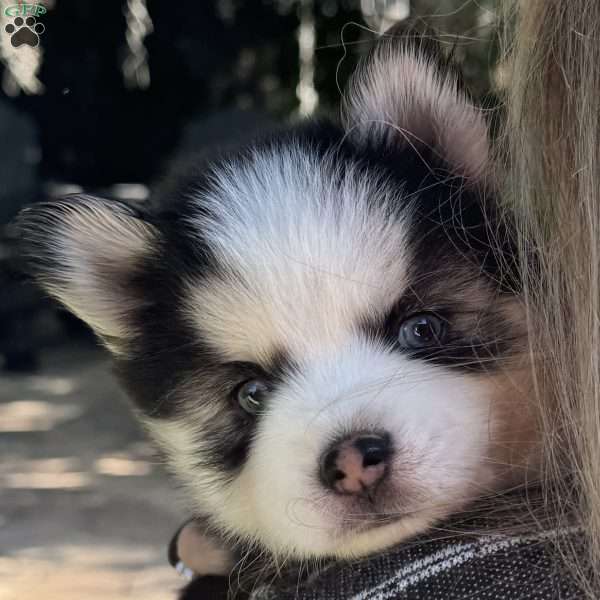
x: 23, y: 10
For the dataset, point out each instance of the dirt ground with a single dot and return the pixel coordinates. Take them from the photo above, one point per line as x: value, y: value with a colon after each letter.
x: 85, y: 509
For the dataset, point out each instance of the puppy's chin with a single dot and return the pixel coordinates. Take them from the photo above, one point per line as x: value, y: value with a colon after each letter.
x: 351, y: 536
x: 379, y: 536
x: 356, y: 536
x: 346, y: 526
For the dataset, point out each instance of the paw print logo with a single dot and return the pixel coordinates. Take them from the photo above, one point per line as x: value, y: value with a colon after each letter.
x: 26, y: 31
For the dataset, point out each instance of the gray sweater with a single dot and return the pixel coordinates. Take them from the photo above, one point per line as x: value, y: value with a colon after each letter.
x: 474, y: 567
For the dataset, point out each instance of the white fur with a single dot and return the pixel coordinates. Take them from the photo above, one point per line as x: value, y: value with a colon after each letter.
x: 308, y: 255
x: 362, y: 387
x: 439, y: 421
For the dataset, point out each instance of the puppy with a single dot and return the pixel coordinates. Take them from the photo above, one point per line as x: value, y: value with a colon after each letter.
x: 322, y: 331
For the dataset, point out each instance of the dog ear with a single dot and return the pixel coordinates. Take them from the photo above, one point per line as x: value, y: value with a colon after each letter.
x: 86, y: 252
x: 405, y: 94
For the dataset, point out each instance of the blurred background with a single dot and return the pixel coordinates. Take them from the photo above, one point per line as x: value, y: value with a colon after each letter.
x: 107, y: 97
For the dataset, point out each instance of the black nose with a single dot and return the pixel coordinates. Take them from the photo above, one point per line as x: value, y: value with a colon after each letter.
x: 356, y: 464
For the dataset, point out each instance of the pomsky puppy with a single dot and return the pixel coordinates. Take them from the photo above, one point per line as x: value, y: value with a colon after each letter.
x: 322, y: 331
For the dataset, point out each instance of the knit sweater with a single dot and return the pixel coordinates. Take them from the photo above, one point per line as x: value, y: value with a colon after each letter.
x: 474, y: 567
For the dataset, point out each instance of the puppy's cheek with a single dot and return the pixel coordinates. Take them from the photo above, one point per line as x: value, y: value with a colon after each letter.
x: 517, y: 438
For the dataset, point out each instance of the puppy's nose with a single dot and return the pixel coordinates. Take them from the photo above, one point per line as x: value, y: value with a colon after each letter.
x: 355, y: 465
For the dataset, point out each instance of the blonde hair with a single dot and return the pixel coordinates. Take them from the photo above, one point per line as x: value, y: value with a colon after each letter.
x: 553, y: 141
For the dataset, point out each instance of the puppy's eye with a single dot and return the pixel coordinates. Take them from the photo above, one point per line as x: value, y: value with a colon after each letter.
x: 250, y: 395
x: 421, y: 331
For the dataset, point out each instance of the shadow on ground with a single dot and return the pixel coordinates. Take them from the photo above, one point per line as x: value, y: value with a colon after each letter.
x: 86, y: 511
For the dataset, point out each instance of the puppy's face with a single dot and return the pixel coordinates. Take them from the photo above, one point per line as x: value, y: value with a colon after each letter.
x: 320, y: 331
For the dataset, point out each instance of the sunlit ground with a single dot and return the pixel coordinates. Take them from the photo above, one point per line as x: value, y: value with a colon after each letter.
x: 86, y: 511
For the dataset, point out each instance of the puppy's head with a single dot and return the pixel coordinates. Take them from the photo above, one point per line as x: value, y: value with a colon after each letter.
x: 321, y: 330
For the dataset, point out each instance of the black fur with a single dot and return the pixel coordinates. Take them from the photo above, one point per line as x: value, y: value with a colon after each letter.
x: 210, y: 588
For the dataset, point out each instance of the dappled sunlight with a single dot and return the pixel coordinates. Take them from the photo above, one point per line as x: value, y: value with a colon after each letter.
x: 42, y: 465
x: 90, y: 572
x: 103, y: 555
x: 68, y: 473
x: 55, y: 386
x: 44, y: 474
x: 46, y: 481
x: 121, y: 465
x: 35, y: 415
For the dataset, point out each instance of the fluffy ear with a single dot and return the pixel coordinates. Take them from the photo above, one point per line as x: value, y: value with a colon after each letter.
x: 403, y: 94
x: 86, y: 252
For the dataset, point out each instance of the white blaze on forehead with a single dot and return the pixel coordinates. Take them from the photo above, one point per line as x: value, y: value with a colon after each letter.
x: 307, y: 251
